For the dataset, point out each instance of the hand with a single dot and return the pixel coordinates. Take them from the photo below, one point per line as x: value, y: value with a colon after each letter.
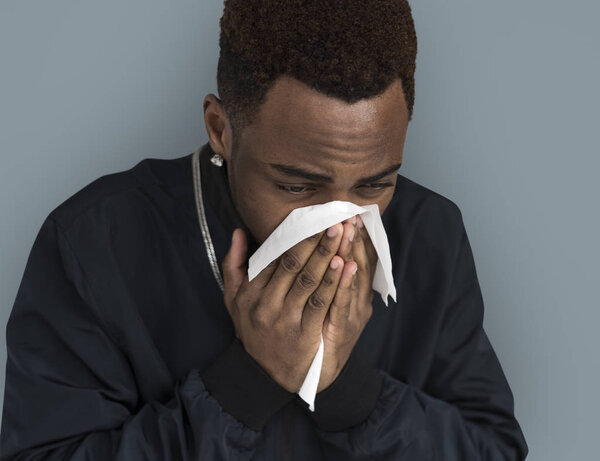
x: 279, y: 315
x: 352, y: 306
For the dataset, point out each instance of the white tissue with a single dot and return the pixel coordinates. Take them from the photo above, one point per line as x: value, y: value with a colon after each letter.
x: 306, y: 221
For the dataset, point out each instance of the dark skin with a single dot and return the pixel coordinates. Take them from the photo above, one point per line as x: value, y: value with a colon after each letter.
x: 305, y: 148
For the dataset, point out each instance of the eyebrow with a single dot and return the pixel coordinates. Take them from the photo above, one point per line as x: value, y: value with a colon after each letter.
x: 317, y: 177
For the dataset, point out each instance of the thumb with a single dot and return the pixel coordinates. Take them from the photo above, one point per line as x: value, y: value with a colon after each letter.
x: 234, y: 269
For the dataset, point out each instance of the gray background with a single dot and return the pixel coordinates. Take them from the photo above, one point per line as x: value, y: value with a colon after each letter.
x: 506, y: 124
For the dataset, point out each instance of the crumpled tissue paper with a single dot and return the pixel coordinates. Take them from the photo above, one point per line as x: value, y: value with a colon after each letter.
x: 306, y: 221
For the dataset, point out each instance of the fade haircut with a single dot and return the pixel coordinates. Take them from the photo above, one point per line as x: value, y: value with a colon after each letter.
x: 347, y: 49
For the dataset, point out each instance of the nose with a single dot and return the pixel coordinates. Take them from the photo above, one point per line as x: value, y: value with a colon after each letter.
x: 343, y: 196
x: 339, y: 196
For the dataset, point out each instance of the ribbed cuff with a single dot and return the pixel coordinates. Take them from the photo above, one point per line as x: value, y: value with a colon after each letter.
x: 350, y: 399
x: 243, y: 388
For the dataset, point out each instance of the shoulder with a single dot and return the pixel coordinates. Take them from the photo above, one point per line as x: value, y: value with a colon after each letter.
x: 421, y: 218
x: 414, y: 202
x: 121, y: 189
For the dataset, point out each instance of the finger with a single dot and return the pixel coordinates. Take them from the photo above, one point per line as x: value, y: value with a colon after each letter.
x: 369, y: 247
x: 290, y: 264
x: 354, y: 310
x: 340, y: 308
x: 264, y: 276
x: 363, y: 274
x: 345, y: 250
x: 309, y: 278
x: 359, y: 222
x: 350, y: 220
x: 318, y: 303
x: 233, y: 266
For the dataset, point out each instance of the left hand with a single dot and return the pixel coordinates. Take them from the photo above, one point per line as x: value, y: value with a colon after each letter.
x: 352, y: 306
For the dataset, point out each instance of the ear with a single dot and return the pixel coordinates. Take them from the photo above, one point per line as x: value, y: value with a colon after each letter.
x: 218, y: 127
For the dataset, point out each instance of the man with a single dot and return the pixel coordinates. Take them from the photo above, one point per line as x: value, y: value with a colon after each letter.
x: 136, y: 334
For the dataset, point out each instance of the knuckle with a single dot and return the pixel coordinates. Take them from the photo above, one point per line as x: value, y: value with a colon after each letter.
x: 290, y: 262
x: 258, y: 323
x: 306, y: 280
x: 259, y: 319
x: 316, y: 301
x: 327, y: 281
x: 323, y: 250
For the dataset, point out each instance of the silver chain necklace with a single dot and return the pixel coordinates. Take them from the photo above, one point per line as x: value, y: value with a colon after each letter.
x: 210, y: 249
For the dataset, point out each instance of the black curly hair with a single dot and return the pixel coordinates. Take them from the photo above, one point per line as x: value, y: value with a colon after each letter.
x: 348, y: 49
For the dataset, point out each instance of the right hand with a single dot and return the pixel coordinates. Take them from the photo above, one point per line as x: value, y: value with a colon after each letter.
x: 279, y: 315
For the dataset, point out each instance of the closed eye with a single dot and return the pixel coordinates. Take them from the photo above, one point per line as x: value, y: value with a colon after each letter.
x: 379, y: 185
x: 300, y: 190
x: 297, y: 190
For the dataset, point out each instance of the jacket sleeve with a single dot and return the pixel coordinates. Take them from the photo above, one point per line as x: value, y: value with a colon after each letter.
x: 70, y: 391
x: 463, y: 412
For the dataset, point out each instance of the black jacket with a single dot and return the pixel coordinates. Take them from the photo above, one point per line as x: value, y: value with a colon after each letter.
x: 120, y: 346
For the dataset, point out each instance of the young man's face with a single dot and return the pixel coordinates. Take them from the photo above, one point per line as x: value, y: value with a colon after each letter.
x: 305, y: 148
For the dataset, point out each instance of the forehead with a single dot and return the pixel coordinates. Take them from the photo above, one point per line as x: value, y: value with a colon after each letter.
x: 298, y: 125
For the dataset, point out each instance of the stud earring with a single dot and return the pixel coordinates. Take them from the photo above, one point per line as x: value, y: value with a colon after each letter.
x: 217, y: 159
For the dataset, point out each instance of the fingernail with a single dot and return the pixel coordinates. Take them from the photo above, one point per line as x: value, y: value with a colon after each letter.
x: 332, y: 231
x: 354, y: 219
x: 354, y: 270
x: 334, y: 263
x: 360, y: 222
x: 351, y: 235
